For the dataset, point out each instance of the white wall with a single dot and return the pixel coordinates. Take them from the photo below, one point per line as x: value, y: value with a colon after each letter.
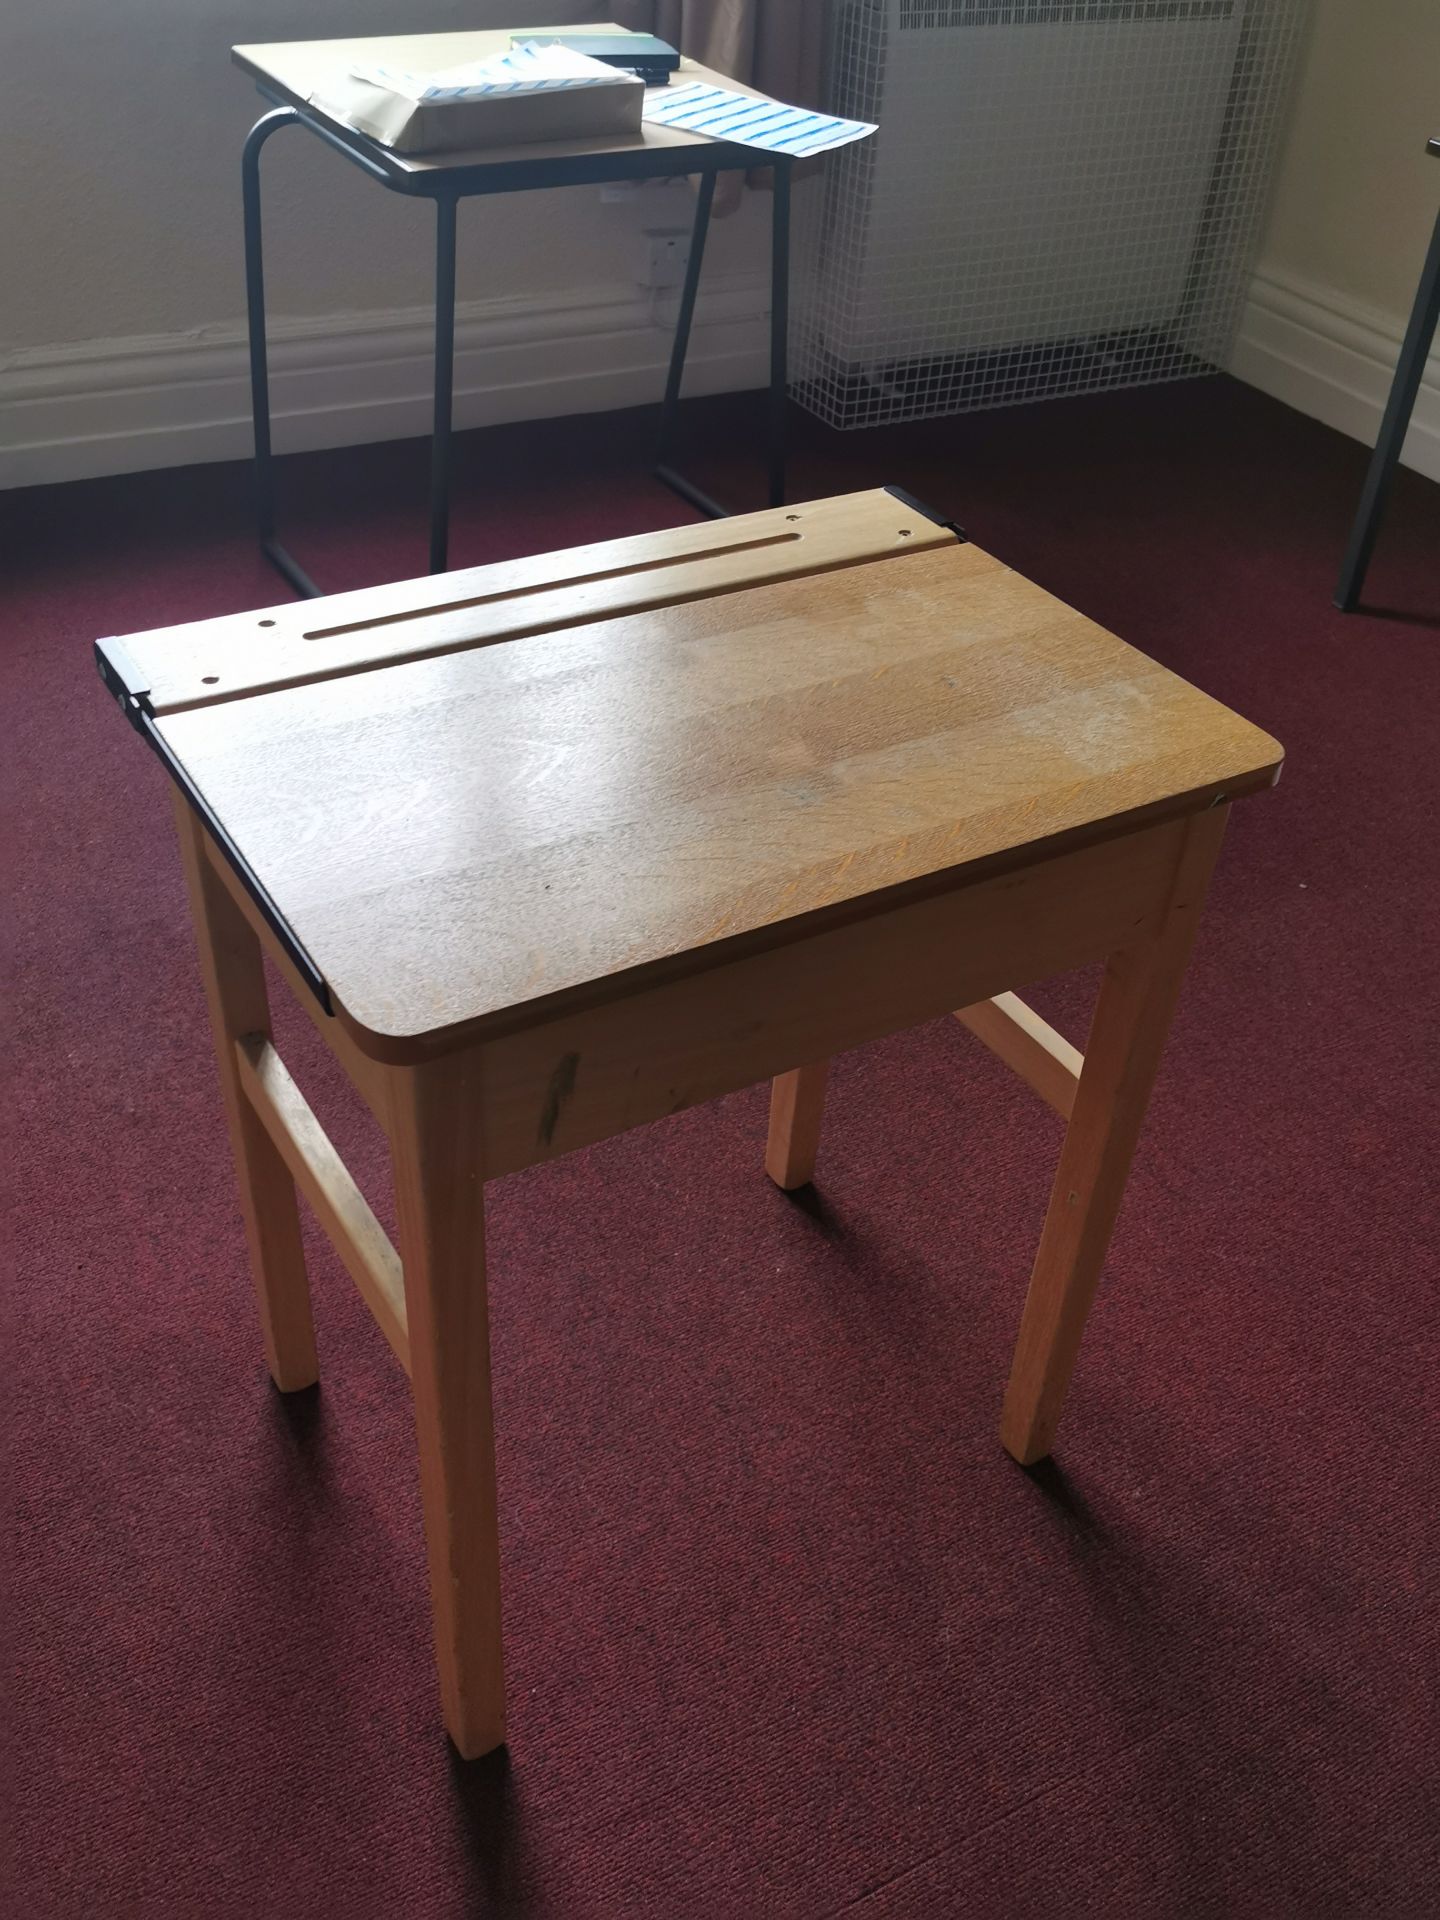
x: 121, y: 294
x: 1355, y: 204
x: 122, y: 298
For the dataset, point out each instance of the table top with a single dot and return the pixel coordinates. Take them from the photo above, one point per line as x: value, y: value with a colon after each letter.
x: 480, y: 799
x: 290, y: 70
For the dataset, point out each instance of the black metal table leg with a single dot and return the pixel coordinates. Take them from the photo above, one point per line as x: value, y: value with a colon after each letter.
x: 779, y: 400
x: 1408, y: 374
x: 685, y: 319
x: 444, y: 381
x: 259, y: 364
x: 779, y: 329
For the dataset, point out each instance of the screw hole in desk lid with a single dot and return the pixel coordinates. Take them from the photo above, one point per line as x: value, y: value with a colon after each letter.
x: 267, y: 623
x: 209, y: 679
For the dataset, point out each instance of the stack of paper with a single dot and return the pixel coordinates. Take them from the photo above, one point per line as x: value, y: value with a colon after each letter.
x: 526, y: 93
x: 523, y: 69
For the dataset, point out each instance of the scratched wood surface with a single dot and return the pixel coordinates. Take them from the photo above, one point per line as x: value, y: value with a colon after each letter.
x: 490, y: 835
x: 209, y: 661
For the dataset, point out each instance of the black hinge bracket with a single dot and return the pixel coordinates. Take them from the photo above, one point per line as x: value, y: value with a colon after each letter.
x: 134, y: 703
x: 928, y: 513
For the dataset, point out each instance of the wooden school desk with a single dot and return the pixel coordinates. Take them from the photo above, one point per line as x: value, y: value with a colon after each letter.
x: 554, y: 848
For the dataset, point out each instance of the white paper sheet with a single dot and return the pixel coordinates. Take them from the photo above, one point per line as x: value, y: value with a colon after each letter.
x: 766, y: 124
x: 525, y: 69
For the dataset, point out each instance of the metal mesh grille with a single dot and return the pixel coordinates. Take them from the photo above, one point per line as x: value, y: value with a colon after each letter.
x: 1063, y: 197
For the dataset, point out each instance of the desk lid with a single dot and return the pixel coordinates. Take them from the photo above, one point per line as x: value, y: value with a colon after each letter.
x: 702, y: 741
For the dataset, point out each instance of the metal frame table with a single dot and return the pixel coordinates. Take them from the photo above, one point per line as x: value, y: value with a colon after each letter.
x: 284, y: 73
x: 1409, y: 372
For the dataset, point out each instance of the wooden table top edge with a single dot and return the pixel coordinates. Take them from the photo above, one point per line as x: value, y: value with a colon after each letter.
x: 1251, y: 764
x: 401, y: 1049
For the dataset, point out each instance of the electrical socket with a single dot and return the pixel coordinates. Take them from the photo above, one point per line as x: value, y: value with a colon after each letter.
x: 663, y: 257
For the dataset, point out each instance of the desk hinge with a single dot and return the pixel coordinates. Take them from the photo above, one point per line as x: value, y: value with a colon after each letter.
x: 928, y: 513
x: 133, y: 699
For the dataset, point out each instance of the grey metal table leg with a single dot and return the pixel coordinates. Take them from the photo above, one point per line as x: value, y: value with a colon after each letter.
x: 259, y: 364
x: 677, y: 482
x: 445, y: 246
x: 444, y: 382
x: 1408, y: 374
x: 779, y: 402
x: 779, y: 330
x: 686, y: 315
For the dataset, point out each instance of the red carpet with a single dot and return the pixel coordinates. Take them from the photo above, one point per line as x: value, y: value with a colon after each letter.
x: 788, y: 1634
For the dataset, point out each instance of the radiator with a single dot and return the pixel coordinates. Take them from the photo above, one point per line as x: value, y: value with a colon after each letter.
x: 1063, y: 196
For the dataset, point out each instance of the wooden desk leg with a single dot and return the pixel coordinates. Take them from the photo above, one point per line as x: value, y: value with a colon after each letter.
x: 1122, y: 1057
x: 797, y: 1105
x: 439, y: 1192
x: 234, y: 976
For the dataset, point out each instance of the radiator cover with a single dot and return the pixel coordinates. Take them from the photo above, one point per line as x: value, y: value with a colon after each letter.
x: 1064, y: 196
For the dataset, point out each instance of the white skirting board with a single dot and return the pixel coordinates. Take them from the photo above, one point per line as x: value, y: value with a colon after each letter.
x: 170, y: 400
x: 118, y: 406
x: 1333, y: 358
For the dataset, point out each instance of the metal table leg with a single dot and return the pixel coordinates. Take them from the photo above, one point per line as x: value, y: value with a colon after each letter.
x: 779, y: 330
x: 445, y: 246
x: 270, y: 546
x: 444, y: 381
x: 1408, y: 375
x: 663, y: 471
x: 779, y: 405
x: 259, y: 367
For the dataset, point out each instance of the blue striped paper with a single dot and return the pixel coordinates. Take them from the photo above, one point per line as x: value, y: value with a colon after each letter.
x: 721, y: 114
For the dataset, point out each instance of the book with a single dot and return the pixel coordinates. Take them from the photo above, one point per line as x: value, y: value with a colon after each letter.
x: 653, y: 59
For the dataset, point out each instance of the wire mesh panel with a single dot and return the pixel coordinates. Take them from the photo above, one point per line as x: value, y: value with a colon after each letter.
x: 1063, y: 196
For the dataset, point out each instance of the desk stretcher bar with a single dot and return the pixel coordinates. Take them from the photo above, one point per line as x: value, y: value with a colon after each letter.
x: 554, y: 849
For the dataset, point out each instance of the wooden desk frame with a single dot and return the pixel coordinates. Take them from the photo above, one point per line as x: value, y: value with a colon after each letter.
x: 496, y: 1107
x: 516, y: 1081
